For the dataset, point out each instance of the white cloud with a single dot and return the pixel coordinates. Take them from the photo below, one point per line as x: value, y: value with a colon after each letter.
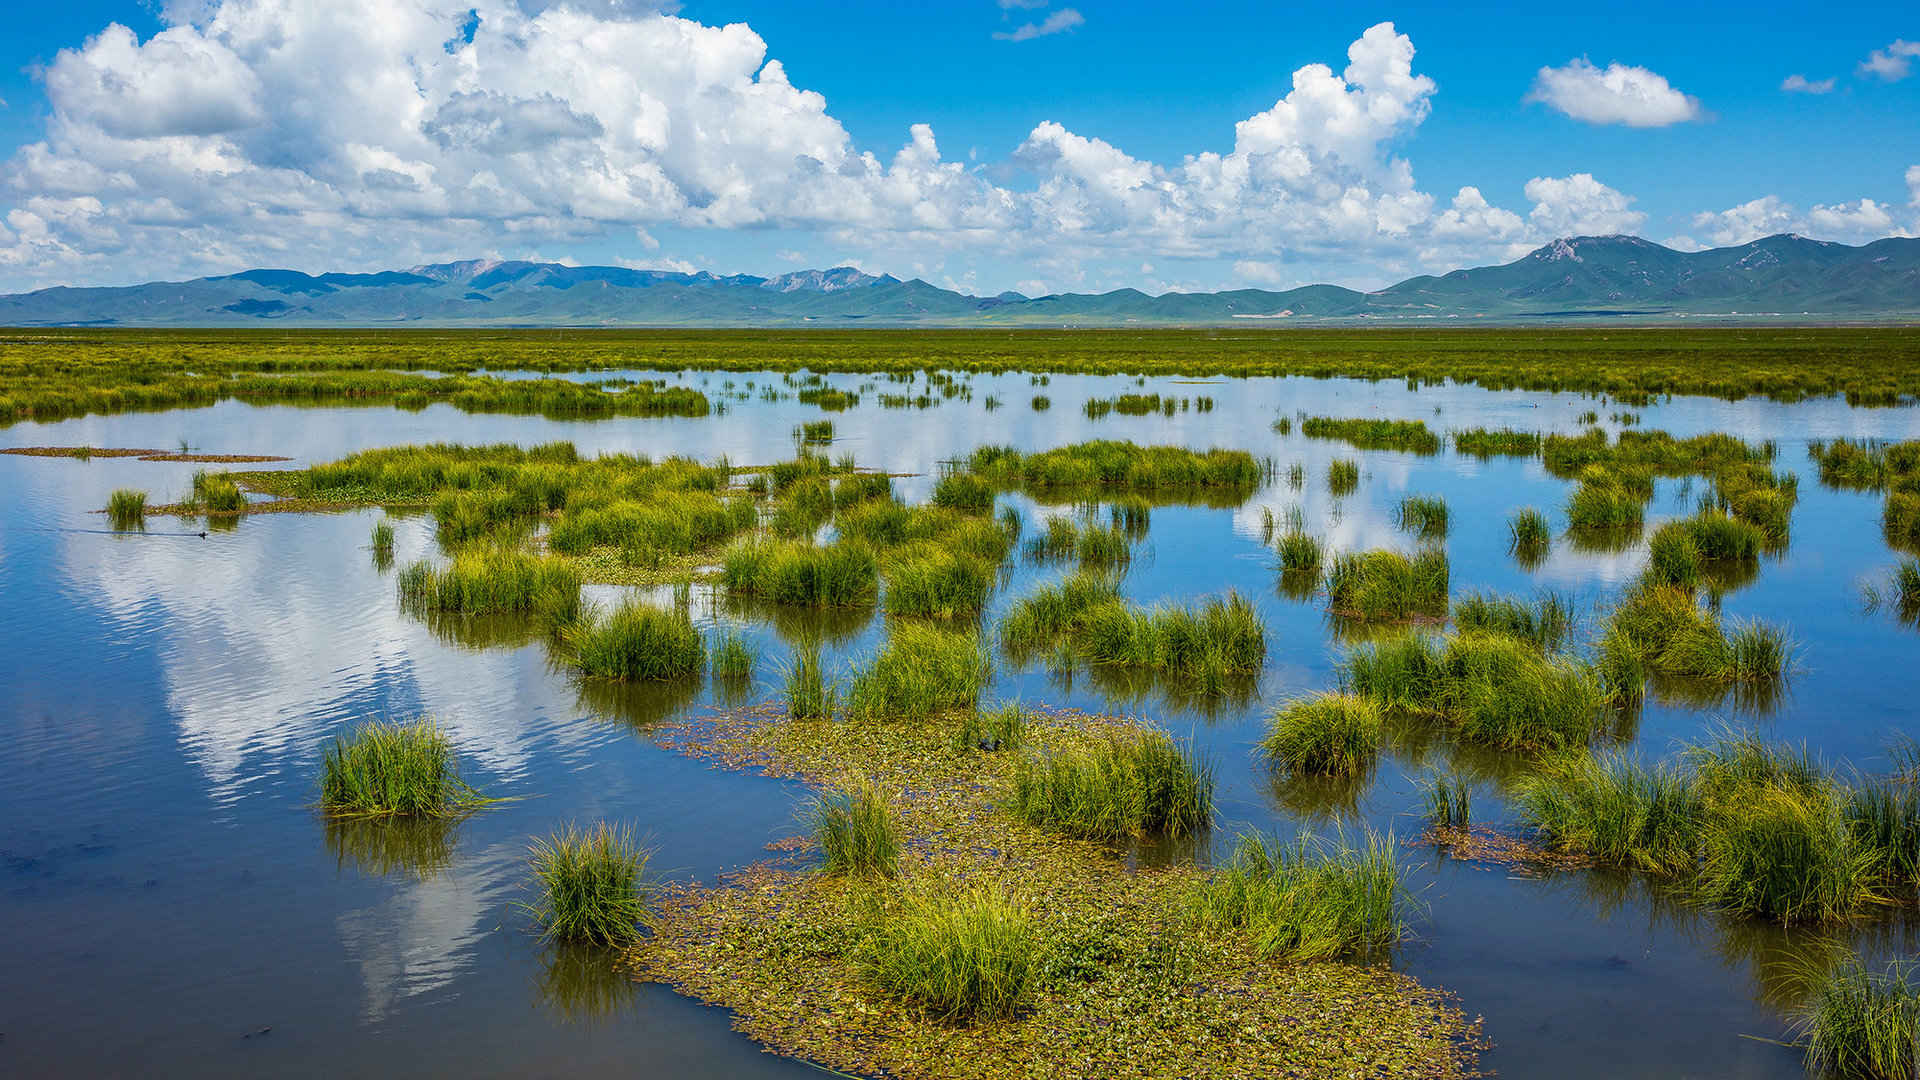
x: 1893, y: 63
x: 1616, y: 94
x: 359, y: 134
x: 1058, y: 22
x: 1852, y: 223
x: 1800, y: 84
x: 1579, y: 205
x: 1263, y: 275
x: 1913, y: 185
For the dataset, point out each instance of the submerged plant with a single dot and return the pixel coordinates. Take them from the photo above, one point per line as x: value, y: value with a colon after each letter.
x: 591, y: 883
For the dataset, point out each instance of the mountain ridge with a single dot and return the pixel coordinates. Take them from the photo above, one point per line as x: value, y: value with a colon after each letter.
x: 1782, y: 276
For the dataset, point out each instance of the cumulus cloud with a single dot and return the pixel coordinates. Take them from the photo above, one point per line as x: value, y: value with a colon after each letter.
x: 1854, y: 222
x: 1913, y: 185
x: 359, y: 134
x: 1800, y: 84
x: 1058, y: 22
x: 1615, y: 94
x: 1893, y: 63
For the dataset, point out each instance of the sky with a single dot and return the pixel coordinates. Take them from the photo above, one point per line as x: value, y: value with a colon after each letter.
x: 982, y: 145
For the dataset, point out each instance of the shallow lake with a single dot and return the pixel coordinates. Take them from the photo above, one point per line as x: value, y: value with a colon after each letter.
x: 176, y: 905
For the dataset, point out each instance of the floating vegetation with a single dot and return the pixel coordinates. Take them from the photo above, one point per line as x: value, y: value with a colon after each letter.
x: 1343, y: 477
x: 1307, y: 900
x: 1325, y: 735
x: 1129, y: 784
x: 922, y: 670
x: 383, y: 768
x: 636, y: 642
x: 1425, y: 515
x: 591, y: 886
x: 1383, y: 585
x: 856, y: 832
x: 1489, y: 689
x: 127, y: 509
x: 1411, y: 436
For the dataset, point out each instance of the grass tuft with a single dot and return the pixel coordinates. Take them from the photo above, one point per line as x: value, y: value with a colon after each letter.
x: 1307, y: 900
x: 1136, y: 783
x: 127, y: 509
x: 637, y: 642
x: 857, y: 832
x: 957, y: 954
x: 1325, y: 735
x: 384, y: 769
x: 592, y: 887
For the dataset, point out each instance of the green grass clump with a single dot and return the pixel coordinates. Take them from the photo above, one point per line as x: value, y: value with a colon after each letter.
x: 1386, y: 585
x: 1660, y: 628
x: 1784, y: 852
x: 922, y: 670
x: 1325, y: 735
x: 1900, y: 520
x: 1603, y: 503
x: 1863, y: 1025
x: 814, y: 433
x: 492, y: 581
x: 1529, y: 537
x: 1103, y: 546
x: 1300, y: 557
x: 1491, y: 689
x: 392, y: 769
x: 1106, y: 466
x: 592, y: 887
x: 1343, y: 477
x: 808, y: 693
x: 856, y: 832
x: 957, y: 954
x: 1224, y: 637
x: 964, y: 492
x: 1412, y: 436
x: 1506, y: 442
x: 845, y: 573
x: 1673, y: 559
x: 637, y: 642
x: 1721, y: 536
x: 218, y: 493
x: 1546, y: 623
x: 1616, y: 811
x: 382, y: 542
x: 1004, y: 728
x: 1133, y: 783
x: 1050, y: 613
x: 1449, y: 801
x: 934, y: 581
x: 733, y: 658
x: 1306, y: 901
x: 127, y: 509
x: 1424, y: 514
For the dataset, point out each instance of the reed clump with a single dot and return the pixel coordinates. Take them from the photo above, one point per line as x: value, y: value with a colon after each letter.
x: 1449, y: 801
x: 1110, y: 466
x: 1489, y: 689
x: 956, y: 953
x: 1506, y: 442
x: 1412, y: 436
x: 591, y: 885
x: 491, y: 581
x: 127, y: 509
x: 1424, y: 515
x: 1327, y: 734
x: 1128, y: 784
x: 1383, y: 585
x: 381, y: 541
x: 1546, y: 623
x: 809, y: 694
x: 636, y: 642
x: 921, y: 671
x: 218, y: 493
x: 385, y: 769
x: 930, y: 580
x: 1661, y: 628
x: 1529, y: 537
x: 857, y: 832
x: 1343, y: 476
x: 733, y: 658
x: 1307, y: 900
x: 1863, y: 1024
x: 845, y: 573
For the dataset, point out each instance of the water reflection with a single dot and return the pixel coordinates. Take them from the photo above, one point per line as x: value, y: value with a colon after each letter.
x: 416, y: 847
x: 422, y: 936
x: 583, y: 985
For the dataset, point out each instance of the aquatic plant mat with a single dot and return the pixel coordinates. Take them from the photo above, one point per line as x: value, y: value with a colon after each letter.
x: 1122, y: 984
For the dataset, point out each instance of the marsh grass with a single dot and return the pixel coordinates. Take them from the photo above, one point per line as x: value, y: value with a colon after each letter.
x: 636, y: 642
x: 1343, y: 477
x: 1425, y: 515
x: 1300, y: 553
x: 1128, y: 784
x: 491, y: 581
x: 420, y: 848
x: 845, y: 573
x: 733, y: 658
x: 127, y: 509
x: 384, y: 769
x: 1222, y: 638
x: 962, y: 954
x: 1506, y: 442
x: 1103, y: 547
x: 1491, y: 689
x: 808, y: 693
x: 929, y: 580
x: 1411, y: 436
x: 920, y: 671
x: 382, y: 543
x: 1325, y: 735
x: 1386, y: 585
x: 1604, y: 504
x: 591, y: 885
x: 218, y: 493
x: 1049, y: 614
x: 1660, y: 628
x: 1863, y: 1024
x: 1546, y: 623
x: 857, y: 832
x: 1449, y: 801
x: 1307, y: 900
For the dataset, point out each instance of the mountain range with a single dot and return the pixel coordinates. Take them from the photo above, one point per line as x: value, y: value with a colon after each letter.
x: 1786, y: 277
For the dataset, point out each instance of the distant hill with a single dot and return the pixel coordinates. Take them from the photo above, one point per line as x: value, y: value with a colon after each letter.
x: 1790, y: 277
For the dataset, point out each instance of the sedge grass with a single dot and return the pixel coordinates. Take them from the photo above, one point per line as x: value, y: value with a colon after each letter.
x: 733, y: 658
x: 637, y: 642
x: 382, y: 542
x: 1424, y: 515
x: 384, y: 768
x: 933, y: 581
x: 490, y: 581
x: 922, y: 670
x: 1449, y: 801
x: 805, y: 687
x: 1326, y: 734
x: 1529, y: 537
x: 1863, y: 1024
x: 857, y: 832
x: 1491, y: 689
x: 591, y: 885
x: 1383, y: 585
x: 955, y: 953
x: 1308, y: 900
x: 127, y: 509
x: 1004, y: 728
x: 1129, y: 784
x: 1343, y: 476
x: 1546, y: 623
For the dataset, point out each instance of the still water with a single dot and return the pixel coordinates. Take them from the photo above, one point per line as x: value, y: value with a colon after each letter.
x: 175, y: 906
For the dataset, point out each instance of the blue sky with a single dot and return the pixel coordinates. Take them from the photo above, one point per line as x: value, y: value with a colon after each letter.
x: 148, y: 141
